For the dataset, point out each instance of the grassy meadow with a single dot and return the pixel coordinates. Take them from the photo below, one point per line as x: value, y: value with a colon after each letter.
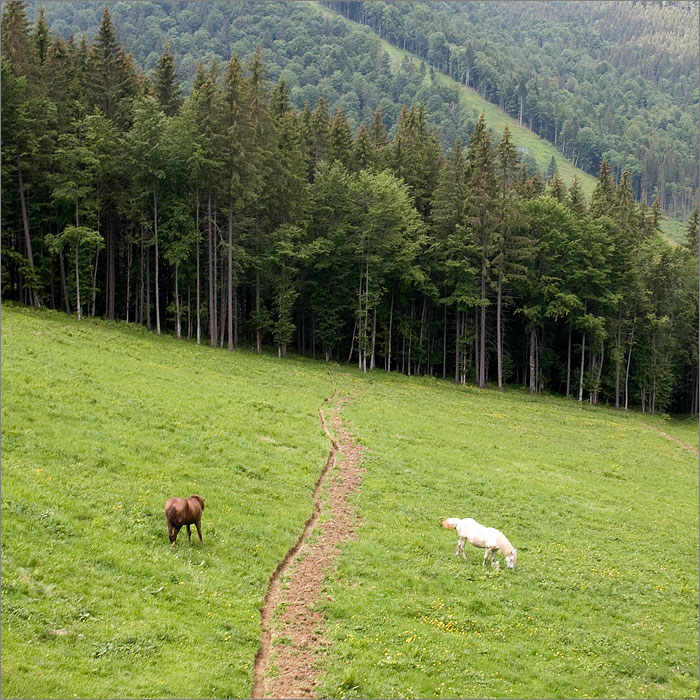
x: 102, y: 422
x: 603, y: 601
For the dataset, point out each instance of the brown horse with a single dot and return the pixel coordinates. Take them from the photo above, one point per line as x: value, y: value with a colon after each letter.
x: 184, y: 511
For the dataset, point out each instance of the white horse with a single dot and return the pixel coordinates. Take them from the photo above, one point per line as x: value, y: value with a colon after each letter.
x: 487, y: 537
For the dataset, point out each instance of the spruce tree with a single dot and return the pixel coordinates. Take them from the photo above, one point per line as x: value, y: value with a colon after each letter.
x: 41, y: 37
x: 319, y: 124
x: 482, y: 217
x: 18, y: 49
x: 603, y: 197
x: 509, y: 248
x: 364, y: 152
x: 455, y: 250
x: 112, y: 79
x: 575, y: 200
x: 624, y: 210
x: 339, y: 142
x: 556, y: 188
x: 166, y: 85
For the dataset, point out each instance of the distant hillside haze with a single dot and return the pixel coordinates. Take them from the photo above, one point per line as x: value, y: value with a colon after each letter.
x: 597, y: 79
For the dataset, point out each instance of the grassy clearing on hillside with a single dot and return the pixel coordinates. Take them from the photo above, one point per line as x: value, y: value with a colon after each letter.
x: 674, y: 229
x: 603, y: 601
x: 101, y: 423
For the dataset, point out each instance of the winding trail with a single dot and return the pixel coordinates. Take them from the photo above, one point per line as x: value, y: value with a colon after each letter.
x: 685, y: 446
x: 292, y: 608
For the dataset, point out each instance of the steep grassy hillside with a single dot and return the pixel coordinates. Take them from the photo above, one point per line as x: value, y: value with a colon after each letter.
x: 102, y: 422
x: 603, y: 601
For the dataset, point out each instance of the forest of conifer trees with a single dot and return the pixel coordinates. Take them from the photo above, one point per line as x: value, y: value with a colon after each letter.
x: 230, y: 218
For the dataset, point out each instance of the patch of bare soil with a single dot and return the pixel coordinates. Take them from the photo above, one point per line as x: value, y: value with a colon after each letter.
x: 299, y: 626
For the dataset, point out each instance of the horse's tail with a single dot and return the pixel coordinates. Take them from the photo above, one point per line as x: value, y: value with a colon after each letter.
x: 170, y: 512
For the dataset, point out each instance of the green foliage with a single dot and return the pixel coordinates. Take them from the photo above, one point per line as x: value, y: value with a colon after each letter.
x: 596, y: 79
x: 399, y: 255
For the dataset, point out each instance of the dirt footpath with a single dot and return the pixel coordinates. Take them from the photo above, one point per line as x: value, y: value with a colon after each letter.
x: 285, y: 666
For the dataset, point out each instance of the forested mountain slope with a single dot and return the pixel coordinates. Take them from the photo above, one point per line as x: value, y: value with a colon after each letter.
x: 598, y: 79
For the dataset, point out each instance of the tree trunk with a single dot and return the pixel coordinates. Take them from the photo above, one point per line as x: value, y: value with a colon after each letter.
x: 94, y: 284
x: 258, y: 334
x: 142, y: 278
x: 482, y: 340
x: 533, y: 370
x: 155, y: 236
x: 600, y: 372
x: 477, y: 345
x: 199, y: 320
x: 77, y: 282
x: 583, y: 357
x: 421, y: 335
x: 229, y: 282
x: 148, y: 289
x: 499, y: 334
x: 568, y: 366
x: 212, y: 277
x: 618, y: 360
x: 27, y: 237
x: 374, y: 339
x: 352, y: 347
x: 111, y: 275
x: 391, y: 321
x: 222, y: 314
x: 444, y: 343
x: 410, y: 336
x: 457, y: 358
x: 520, y: 119
x: 64, y: 286
x: 178, y: 323
x: 189, y: 314
x: 365, y: 322
x: 129, y: 262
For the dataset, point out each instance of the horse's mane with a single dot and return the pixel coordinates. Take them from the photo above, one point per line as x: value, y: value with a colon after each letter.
x: 503, y: 544
x: 199, y: 498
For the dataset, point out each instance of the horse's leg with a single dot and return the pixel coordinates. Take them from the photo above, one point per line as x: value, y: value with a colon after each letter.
x: 456, y: 554
x: 189, y: 539
x: 173, y: 536
x: 461, y: 546
x: 486, y: 556
x: 198, y: 523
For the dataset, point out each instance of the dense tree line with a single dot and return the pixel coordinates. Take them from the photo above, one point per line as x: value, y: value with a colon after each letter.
x: 613, y: 80
x: 230, y: 217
